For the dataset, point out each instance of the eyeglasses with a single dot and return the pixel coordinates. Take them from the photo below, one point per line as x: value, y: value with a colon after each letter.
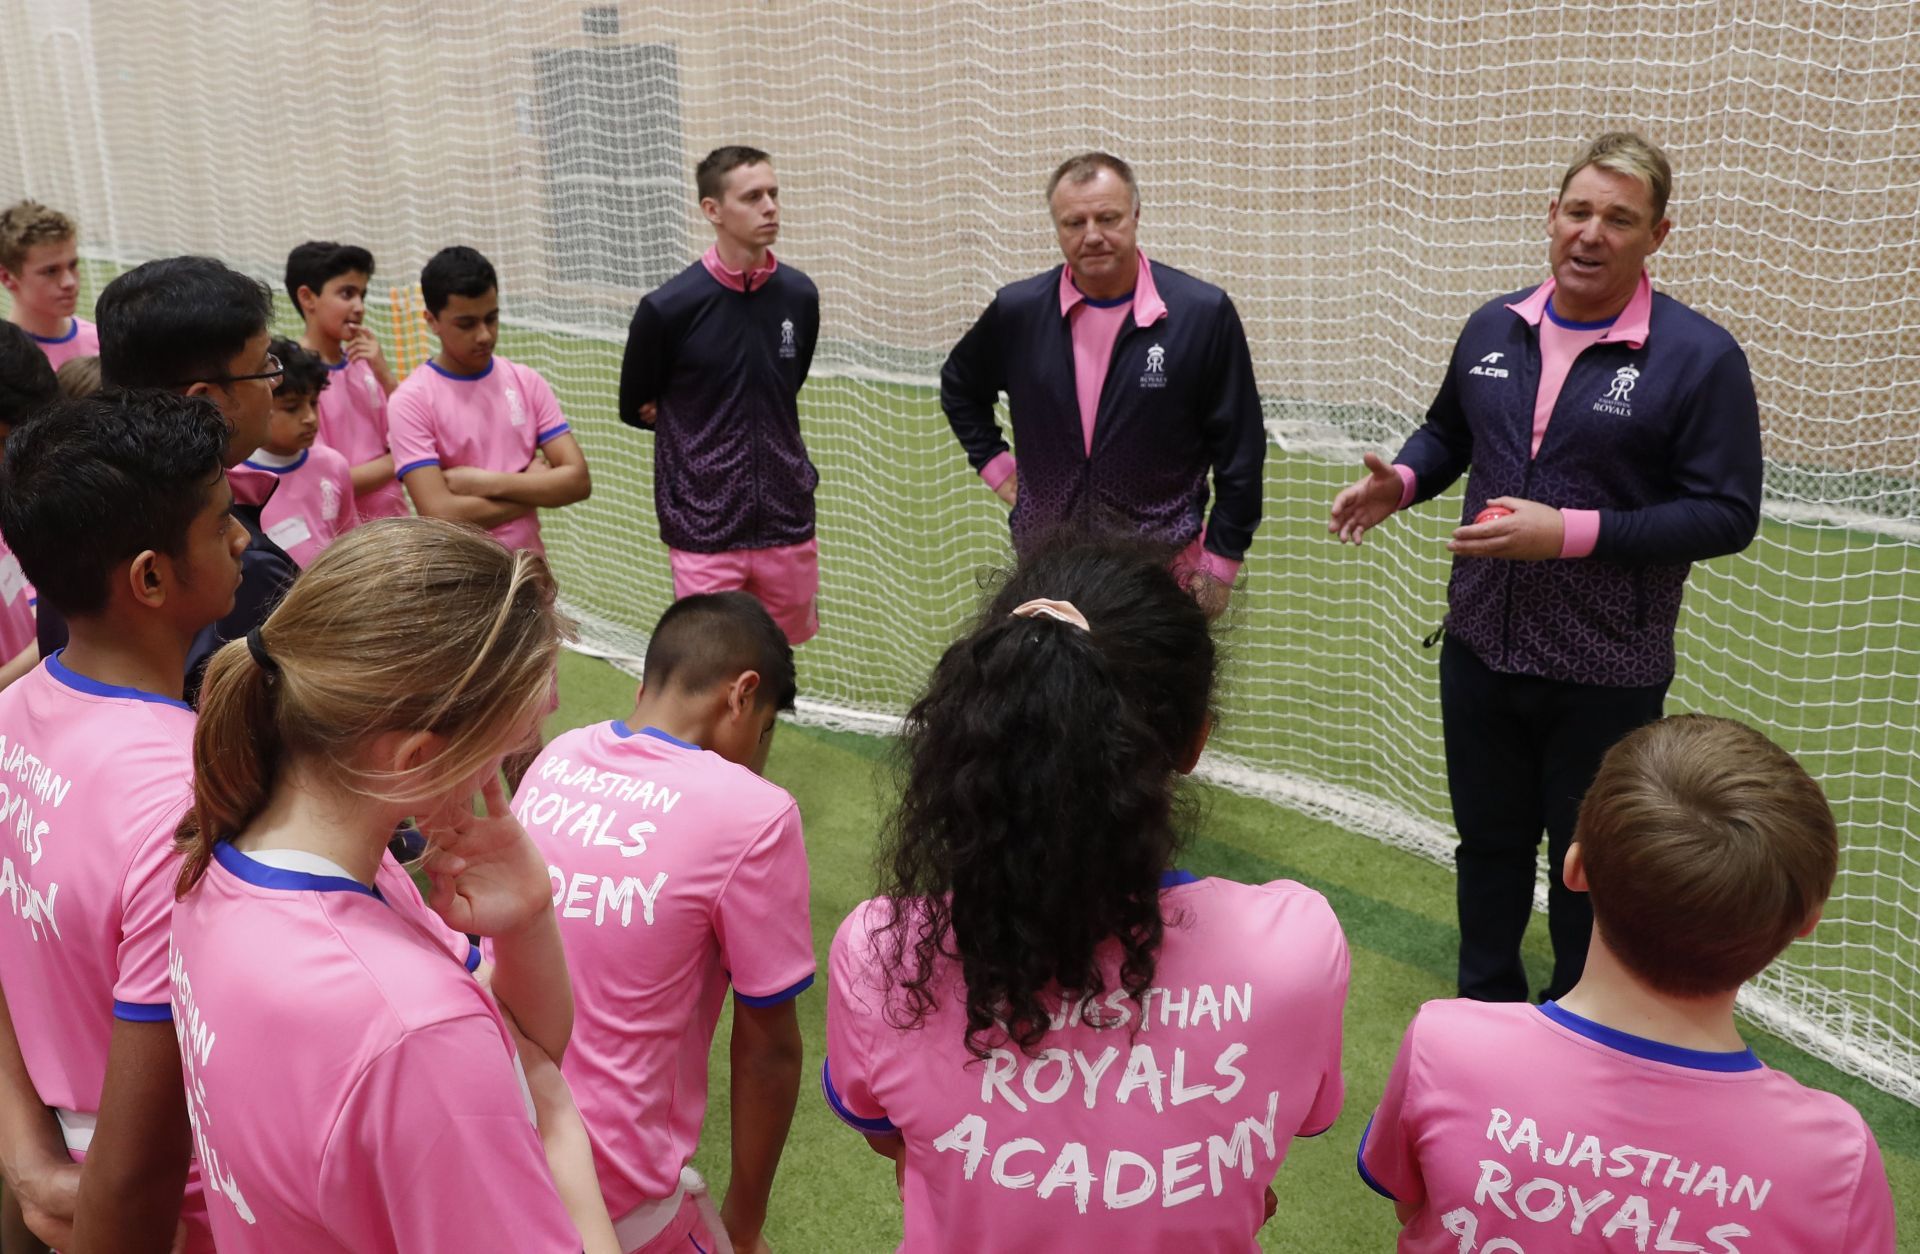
x: 273, y: 371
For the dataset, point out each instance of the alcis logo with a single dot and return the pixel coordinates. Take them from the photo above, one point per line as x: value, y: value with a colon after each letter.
x: 1487, y: 369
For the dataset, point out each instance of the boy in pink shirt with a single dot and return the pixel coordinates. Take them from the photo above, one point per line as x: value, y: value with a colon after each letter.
x: 477, y: 438
x: 40, y: 268
x: 677, y: 871
x: 119, y: 512
x: 328, y: 285
x: 1629, y: 1115
x: 1064, y: 1043
x: 313, y: 503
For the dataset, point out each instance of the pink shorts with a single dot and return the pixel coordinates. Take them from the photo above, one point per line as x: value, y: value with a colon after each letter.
x: 786, y: 580
x: 686, y: 1233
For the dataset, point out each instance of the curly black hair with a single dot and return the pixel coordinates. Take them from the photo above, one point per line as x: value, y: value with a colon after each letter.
x: 1039, y: 803
x: 303, y: 372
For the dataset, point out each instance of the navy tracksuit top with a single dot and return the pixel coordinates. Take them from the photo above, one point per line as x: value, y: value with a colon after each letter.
x: 724, y: 369
x: 1179, y: 399
x: 1663, y: 440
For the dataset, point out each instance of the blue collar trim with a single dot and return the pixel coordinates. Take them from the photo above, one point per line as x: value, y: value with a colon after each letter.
x: 1177, y: 877
x: 1115, y: 303
x: 1653, y: 1051
x: 623, y: 730
x: 1568, y: 324
x: 342, y: 364
x: 81, y: 683
x: 263, y: 876
x: 445, y: 373
x: 287, y: 469
x: 73, y: 329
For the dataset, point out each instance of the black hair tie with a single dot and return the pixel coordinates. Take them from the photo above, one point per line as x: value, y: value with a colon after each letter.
x: 264, y: 660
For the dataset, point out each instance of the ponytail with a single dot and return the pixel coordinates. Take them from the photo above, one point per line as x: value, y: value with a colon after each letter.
x: 236, y: 750
x: 1039, y: 803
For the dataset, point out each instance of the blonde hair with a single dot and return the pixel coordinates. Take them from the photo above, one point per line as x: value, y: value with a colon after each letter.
x: 1707, y: 849
x: 26, y: 225
x: 1624, y: 152
x: 78, y: 377
x: 410, y: 624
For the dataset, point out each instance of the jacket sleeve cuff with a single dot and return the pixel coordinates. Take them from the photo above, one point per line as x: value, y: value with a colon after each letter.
x: 1580, y: 531
x: 1408, y: 484
x: 995, y: 472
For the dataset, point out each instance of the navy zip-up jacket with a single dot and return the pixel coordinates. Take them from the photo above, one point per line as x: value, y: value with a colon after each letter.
x: 1662, y: 438
x: 1179, y: 399
x: 724, y: 369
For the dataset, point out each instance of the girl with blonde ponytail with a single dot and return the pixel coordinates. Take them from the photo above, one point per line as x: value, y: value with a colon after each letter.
x: 351, y: 1086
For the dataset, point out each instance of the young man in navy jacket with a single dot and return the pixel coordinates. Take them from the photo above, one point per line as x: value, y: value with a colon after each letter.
x: 715, y: 360
x: 1613, y: 440
x: 1154, y: 365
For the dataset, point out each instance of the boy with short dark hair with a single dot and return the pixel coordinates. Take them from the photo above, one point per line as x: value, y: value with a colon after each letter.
x: 477, y: 438
x: 314, y: 504
x: 195, y: 326
x: 40, y: 268
x: 697, y: 883
x: 1631, y: 1108
x: 714, y: 364
x: 121, y: 516
x: 328, y: 285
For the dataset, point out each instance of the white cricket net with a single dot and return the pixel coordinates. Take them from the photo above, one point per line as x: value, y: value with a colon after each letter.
x: 1358, y: 175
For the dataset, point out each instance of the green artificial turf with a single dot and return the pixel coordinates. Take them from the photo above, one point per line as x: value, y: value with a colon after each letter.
x: 834, y: 1194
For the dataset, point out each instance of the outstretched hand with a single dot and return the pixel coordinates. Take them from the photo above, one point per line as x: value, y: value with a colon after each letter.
x: 487, y: 876
x: 1368, y: 502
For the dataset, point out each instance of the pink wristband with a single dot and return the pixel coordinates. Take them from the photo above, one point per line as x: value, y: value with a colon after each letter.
x: 996, y: 471
x: 1580, y: 531
x: 1407, y: 483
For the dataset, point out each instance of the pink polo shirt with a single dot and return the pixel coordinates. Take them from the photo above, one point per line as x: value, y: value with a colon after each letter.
x: 81, y: 340
x: 675, y: 873
x: 94, y: 778
x: 495, y: 420
x: 1517, y: 1127
x: 352, y: 1087
x: 1560, y: 343
x: 314, y: 504
x: 353, y: 422
x: 1135, y: 1125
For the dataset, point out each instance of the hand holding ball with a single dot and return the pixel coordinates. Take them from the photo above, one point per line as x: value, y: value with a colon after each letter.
x: 1492, y: 512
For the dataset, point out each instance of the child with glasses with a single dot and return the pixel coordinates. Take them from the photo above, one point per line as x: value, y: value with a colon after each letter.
x: 313, y: 503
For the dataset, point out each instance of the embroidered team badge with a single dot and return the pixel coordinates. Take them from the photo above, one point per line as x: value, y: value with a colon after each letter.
x: 1156, y: 372
x: 329, y: 498
x: 516, y: 412
x: 1616, y: 400
x: 787, y: 348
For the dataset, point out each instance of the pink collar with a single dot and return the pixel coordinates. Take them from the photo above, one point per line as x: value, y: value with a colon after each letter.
x: 1630, y: 326
x: 736, y: 279
x: 1148, y: 308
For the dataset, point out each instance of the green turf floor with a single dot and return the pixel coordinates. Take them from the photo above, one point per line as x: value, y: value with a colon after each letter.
x: 834, y: 1195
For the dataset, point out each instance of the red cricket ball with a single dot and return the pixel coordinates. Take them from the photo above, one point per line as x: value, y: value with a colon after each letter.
x: 1492, y: 512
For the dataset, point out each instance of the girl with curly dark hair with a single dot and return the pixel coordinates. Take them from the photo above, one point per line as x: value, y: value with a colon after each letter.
x: 1062, y: 1040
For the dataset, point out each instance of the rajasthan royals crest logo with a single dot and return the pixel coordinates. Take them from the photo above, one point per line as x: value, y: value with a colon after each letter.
x: 329, y: 498
x: 516, y: 412
x: 786, y: 337
x: 1156, y: 375
x: 1615, y: 401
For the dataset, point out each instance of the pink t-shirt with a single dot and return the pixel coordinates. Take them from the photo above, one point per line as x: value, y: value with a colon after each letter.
x: 1128, y: 1129
x: 94, y: 778
x: 674, y: 873
x: 494, y: 420
x: 351, y: 1087
x: 353, y: 423
x: 16, y: 605
x: 81, y: 340
x: 314, y: 504
x: 1519, y: 1128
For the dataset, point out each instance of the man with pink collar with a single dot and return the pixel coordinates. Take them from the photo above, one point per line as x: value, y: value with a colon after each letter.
x: 1613, y: 439
x: 715, y: 360
x: 1160, y: 379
